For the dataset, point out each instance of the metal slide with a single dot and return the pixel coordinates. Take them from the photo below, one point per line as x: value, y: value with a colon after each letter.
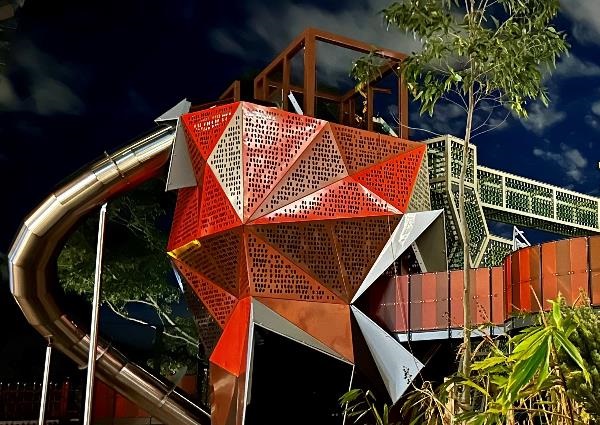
x: 33, y: 275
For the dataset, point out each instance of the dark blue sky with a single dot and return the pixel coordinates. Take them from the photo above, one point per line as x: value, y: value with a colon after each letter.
x: 85, y: 77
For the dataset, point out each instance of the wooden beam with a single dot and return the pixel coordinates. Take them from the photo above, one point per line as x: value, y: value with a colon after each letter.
x: 294, y: 47
x: 232, y: 92
x: 285, y: 84
x: 310, y: 73
x: 402, y: 108
x: 298, y: 89
x: 356, y: 45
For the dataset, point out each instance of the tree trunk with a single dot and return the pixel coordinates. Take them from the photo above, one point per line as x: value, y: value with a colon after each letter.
x: 466, y: 356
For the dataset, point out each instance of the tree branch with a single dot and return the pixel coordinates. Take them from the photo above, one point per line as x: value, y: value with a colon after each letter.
x: 126, y: 317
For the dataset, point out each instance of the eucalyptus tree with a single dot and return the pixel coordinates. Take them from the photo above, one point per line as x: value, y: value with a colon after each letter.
x: 136, y: 283
x: 474, y: 53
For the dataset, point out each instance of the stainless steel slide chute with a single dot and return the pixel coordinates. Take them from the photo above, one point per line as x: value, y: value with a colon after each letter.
x: 34, y: 281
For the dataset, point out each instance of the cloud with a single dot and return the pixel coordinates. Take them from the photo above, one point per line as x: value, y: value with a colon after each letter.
x: 448, y: 118
x: 585, y: 17
x: 573, y: 67
x: 47, y: 93
x: 540, y: 118
x: 270, y: 28
x: 596, y: 108
x: 569, y: 159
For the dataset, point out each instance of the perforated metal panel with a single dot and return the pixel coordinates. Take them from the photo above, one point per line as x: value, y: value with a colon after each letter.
x: 420, y: 199
x: 394, y: 179
x: 281, y: 217
x: 343, y: 199
x: 205, y: 127
x: 219, y: 302
x: 361, y: 149
x: 226, y: 162
x: 319, y: 165
x: 216, y: 212
x: 273, y: 140
x: 185, y: 218
x: 217, y: 257
x: 273, y: 275
x: 311, y: 246
x: 358, y: 243
x: 209, y: 330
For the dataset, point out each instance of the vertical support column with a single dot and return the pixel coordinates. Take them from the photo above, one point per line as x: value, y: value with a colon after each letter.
x: 503, y: 191
x: 285, y: 84
x: 402, y: 108
x: 370, y: 99
x: 45, y: 383
x: 310, y: 73
x: 237, y: 91
x: 91, y: 367
x: 554, y: 202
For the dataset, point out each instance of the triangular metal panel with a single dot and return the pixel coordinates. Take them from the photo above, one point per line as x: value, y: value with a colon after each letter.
x: 183, y: 107
x: 185, y: 218
x: 362, y: 149
x: 181, y: 170
x: 327, y: 323
x: 268, y: 319
x: 420, y: 199
x: 397, y: 366
x: 205, y: 127
x: 216, y: 257
x: 273, y: 275
x: 309, y: 245
x: 344, y: 199
x: 358, y: 243
x: 319, y: 165
x: 226, y: 162
x: 223, y: 396
x: 273, y: 140
x: 409, y: 229
x: 393, y: 180
x: 232, y: 349
x: 216, y: 212
x: 219, y: 302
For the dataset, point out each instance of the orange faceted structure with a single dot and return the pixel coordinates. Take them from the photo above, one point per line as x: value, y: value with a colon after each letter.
x: 286, y: 225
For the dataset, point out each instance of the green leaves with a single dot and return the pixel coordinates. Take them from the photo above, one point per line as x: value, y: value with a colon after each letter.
x: 136, y: 269
x: 496, y: 55
x: 359, y: 405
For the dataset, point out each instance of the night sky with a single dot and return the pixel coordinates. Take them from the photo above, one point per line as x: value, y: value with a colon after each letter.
x: 86, y: 77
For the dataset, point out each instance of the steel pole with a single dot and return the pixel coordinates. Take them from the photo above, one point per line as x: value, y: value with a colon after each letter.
x: 91, y: 367
x: 45, y: 383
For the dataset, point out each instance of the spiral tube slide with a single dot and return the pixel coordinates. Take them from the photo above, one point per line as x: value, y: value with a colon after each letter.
x: 34, y: 280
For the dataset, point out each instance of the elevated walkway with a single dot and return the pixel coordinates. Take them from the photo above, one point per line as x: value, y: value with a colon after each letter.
x: 429, y: 306
x: 499, y: 196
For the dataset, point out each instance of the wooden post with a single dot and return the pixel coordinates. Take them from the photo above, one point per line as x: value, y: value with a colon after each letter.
x: 402, y: 108
x: 310, y: 73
